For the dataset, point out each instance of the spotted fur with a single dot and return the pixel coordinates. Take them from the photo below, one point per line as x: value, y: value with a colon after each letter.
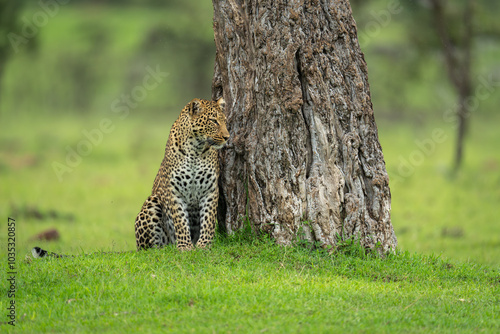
x: 182, y: 206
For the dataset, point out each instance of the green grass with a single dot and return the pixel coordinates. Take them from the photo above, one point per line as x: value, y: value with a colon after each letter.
x: 435, y: 212
x: 105, y: 191
x: 243, y: 285
x: 432, y: 212
x: 252, y: 286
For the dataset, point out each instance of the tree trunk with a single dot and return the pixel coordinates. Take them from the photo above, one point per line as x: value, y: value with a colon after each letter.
x: 458, y: 64
x: 303, y: 160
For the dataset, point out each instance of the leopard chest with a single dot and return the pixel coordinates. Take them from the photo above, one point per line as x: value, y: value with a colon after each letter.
x: 194, y: 177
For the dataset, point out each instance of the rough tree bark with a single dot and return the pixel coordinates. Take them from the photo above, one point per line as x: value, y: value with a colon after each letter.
x: 304, y: 159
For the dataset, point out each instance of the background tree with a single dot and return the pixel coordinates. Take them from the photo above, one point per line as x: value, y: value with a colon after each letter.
x: 454, y: 28
x: 9, y: 16
x: 304, y: 158
x: 442, y: 43
x: 458, y: 63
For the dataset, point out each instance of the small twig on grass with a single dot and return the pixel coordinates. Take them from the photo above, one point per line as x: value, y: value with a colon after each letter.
x: 407, y: 307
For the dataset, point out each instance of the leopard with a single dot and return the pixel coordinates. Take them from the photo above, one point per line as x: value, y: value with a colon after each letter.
x: 182, y: 207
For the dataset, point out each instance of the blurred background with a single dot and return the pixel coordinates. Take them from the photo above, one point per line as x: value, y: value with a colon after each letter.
x: 89, y: 89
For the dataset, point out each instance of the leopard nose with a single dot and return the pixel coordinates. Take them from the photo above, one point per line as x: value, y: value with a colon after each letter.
x: 226, y: 137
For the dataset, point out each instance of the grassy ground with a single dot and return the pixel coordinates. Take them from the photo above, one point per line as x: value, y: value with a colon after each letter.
x: 254, y: 286
x: 434, y: 211
x: 241, y: 285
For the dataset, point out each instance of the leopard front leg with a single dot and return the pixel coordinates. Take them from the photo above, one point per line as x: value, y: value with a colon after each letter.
x: 208, y: 213
x: 180, y: 218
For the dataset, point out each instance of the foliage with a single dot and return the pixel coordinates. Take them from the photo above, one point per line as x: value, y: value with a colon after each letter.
x: 9, y: 29
x: 90, y: 55
x: 406, y: 69
x: 9, y: 24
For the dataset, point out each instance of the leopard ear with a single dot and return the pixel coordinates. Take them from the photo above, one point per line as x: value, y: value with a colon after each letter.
x: 195, y: 107
x: 221, y: 103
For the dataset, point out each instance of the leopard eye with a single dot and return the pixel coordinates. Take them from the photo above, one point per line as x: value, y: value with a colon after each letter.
x: 213, y: 120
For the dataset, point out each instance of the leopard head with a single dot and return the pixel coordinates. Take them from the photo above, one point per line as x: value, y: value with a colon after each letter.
x: 208, y: 121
